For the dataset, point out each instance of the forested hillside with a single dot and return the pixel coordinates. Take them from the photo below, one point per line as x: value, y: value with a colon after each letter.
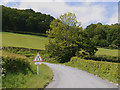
x: 16, y: 20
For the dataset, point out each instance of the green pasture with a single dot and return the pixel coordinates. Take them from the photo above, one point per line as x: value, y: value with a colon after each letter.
x: 22, y: 40
x: 107, y: 52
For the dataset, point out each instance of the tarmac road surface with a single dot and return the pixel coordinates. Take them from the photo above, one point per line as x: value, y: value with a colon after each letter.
x: 68, y: 77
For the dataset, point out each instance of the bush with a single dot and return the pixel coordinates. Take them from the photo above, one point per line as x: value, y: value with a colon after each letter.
x: 105, y: 70
x: 13, y: 63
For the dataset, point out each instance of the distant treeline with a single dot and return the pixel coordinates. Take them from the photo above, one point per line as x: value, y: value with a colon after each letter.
x: 16, y: 20
x: 104, y: 35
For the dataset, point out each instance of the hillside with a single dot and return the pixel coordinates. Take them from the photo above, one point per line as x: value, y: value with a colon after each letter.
x: 23, y: 40
x: 15, y: 20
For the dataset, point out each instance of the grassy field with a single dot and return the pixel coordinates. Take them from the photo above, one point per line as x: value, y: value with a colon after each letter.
x: 25, y: 78
x: 107, y: 52
x: 22, y: 40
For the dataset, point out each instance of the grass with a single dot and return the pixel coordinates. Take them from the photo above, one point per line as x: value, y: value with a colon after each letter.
x: 107, y: 52
x: 22, y: 40
x: 39, y: 81
x: 28, y: 80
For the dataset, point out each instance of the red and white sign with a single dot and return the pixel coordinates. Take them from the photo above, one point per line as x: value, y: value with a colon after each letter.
x: 38, y: 58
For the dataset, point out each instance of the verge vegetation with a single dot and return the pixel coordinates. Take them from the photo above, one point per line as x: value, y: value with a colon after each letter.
x: 19, y: 71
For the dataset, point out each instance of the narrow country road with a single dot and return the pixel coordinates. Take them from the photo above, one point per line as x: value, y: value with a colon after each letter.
x: 68, y: 77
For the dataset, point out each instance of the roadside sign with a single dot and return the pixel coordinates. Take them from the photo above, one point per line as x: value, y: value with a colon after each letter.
x: 38, y: 58
x: 38, y: 61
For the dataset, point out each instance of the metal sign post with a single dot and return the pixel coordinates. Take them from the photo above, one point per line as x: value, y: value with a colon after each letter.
x: 38, y: 61
x: 37, y: 69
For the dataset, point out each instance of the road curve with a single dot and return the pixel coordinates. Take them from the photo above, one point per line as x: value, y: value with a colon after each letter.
x: 68, y: 77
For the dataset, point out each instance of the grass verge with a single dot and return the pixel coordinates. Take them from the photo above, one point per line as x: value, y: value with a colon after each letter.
x: 20, y: 72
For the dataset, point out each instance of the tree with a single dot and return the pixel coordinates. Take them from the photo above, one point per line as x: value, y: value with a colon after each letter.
x: 103, y: 35
x: 67, y: 38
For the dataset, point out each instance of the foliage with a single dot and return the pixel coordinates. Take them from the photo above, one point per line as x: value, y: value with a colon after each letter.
x: 103, y: 58
x: 67, y: 38
x: 30, y: 53
x: 105, y: 70
x: 104, y: 35
x: 22, y: 51
x: 15, y: 63
x: 16, y: 20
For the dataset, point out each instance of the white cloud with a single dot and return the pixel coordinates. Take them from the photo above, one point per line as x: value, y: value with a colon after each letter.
x: 86, y: 13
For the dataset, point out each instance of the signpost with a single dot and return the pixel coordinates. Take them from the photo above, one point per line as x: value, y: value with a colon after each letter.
x: 38, y: 61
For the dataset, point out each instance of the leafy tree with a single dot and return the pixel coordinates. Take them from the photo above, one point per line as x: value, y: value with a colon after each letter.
x: 103, y: 35
x: 67, y: 38
x: 90, y: 30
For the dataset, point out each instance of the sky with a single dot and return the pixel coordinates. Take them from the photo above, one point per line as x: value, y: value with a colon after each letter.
x: 87, y: 11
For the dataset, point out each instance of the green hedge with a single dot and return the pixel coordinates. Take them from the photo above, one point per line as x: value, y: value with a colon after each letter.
x: 22, y: 51
x: 105, y: 70
x: 15, y: 65
x: 103, y: 58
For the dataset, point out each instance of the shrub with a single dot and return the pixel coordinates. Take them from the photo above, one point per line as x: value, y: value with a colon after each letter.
x: 15, y: 63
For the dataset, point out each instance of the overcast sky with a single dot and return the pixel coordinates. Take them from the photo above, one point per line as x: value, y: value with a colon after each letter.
x: 86, y: 11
